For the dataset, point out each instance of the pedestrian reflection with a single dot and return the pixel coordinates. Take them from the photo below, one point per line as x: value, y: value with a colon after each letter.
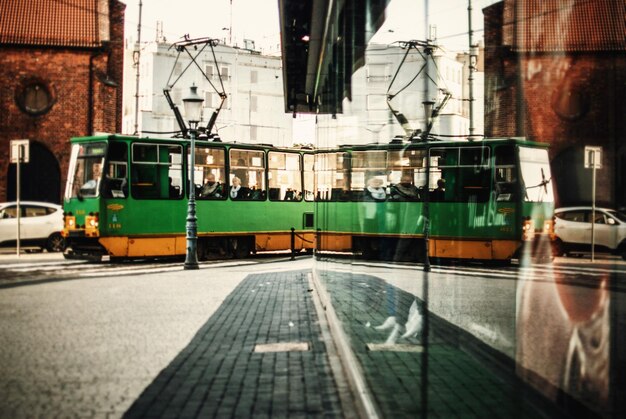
x: 410, y: 329
x: 564, y: 337
x: 586, y: 374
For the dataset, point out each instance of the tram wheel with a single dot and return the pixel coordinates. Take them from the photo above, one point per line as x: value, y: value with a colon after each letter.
x: 240, y: 248
x: 203, y: 251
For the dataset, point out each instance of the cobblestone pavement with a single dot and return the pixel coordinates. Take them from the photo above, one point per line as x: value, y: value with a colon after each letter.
x: 114, y: 341
x: 219, y: 374
x: 88, y: 347
x: 442, y: 377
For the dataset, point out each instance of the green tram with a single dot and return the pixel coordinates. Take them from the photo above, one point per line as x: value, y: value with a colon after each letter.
x: 126, y: 197
x: 494, y: 203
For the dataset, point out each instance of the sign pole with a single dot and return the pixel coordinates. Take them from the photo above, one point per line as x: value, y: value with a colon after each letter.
x: 20, y: 153
x: 593, y: 203
x: 593, y: 160
x: 19, y: 210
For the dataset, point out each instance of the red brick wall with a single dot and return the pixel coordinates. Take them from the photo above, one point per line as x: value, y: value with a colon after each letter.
x: 566, y: 99
x: 68, y: 73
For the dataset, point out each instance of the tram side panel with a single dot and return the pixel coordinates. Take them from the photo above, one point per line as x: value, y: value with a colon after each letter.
x: 269, y: 223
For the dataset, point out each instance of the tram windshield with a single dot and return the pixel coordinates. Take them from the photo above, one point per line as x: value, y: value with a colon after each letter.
x: 536, y: 176
x: 86, y: 163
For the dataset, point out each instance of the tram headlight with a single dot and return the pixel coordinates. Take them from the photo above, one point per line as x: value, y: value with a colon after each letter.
x: 91, y: 225
x: 548, y: 228
x: 528, y: 229
x: 70, y: 222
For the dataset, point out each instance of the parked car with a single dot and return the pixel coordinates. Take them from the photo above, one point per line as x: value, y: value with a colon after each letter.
x: 572, y: 227
x: 40, y: 225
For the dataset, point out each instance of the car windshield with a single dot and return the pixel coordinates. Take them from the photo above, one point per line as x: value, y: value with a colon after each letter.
x: 86, y: 164
x: 619, y: 215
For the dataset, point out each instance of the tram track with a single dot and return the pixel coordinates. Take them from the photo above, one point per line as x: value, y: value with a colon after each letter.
x: 23, y: 272
x: 583, y: 276
x: 36, y: 272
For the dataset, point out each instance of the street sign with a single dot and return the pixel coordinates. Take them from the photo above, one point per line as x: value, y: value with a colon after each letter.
x: 20, y: 151
x: 593, y: 157
x: 593, y: 160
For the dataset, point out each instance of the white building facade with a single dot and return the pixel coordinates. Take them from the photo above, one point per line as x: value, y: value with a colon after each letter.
x: 367, y: 118
x: 252, y: 113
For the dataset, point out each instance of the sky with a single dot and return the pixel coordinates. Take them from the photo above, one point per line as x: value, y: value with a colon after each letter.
x: 258, y: 20
x: 251, y: 19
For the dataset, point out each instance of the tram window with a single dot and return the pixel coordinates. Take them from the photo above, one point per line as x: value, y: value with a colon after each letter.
x: 116, y: 172
x: 369, y: 175
x: 535, y: 174
x: 460, y: 174
x: 86, y: 165
x: 309, y: 177
x: 443, y: 157
x: 156, y: 171
x: 284, y: 174
x: 474, y: 156
x: 405, y: 174
x: 210, y: 173
x: 248, y: 167
x: 505, y: 173
x: 332, y: 182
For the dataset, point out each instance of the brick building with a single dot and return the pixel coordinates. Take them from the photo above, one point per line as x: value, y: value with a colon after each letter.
x: 61, y: 65
x: 555, y: 71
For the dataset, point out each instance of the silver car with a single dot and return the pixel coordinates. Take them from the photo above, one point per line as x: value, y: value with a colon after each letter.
x: 572, y: 227
x: 40, y: 225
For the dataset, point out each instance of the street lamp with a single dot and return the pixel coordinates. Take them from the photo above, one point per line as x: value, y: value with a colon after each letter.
x: 428, y: 114
x: 428, y: 111
x: 192, y: 104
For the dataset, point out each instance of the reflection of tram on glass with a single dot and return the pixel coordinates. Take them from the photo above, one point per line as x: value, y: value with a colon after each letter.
x: 127, y: 197
x: 495, y: 199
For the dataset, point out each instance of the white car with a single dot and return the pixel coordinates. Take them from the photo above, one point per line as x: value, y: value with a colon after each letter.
x: 40, y: 225
x: 572, y: 227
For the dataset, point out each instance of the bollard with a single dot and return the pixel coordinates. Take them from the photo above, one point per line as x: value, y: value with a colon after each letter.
x: 293, y: 243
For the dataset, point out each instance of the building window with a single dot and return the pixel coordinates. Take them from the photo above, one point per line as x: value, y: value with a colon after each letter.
x: 253, y: 103
x: 376, y: 102
x: 208, y: 69
x: 34, y: 97
x: 377, y: 72
x: 569, y: 101
x: 225, y: 73
x: 208, y: 100
x: 254, y: 76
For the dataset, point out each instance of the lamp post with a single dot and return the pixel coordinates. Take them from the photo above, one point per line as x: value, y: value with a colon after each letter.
x: 428, y: 110
x: 193, y: 109
x: 428, y: 113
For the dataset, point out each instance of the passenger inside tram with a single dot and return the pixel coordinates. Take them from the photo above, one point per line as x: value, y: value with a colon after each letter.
x: 211, y: 189
x: 405, y: 190
x: 439, y: 193
x: 375, y: 190
x: 237, y: 191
